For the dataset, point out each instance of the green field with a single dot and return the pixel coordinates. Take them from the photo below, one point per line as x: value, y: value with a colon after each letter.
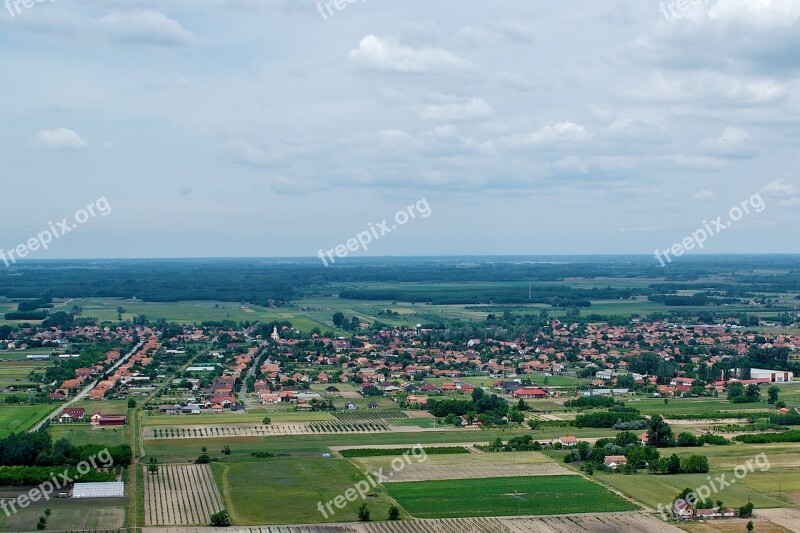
x: 286, y: 491
x: 15, y: 373
x: 778, y: 486
x: 66, y: 514
x: 18, y: 418
x: 81, y: 434
x: 505, y: 497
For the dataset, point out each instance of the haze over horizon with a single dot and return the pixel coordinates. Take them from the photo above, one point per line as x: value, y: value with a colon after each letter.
x: 267, y: 129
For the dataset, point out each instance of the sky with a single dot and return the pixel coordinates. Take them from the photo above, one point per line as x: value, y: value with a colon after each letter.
x: 275, y: 128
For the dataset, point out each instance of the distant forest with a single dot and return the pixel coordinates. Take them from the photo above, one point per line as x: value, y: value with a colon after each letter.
x: 261, y: 281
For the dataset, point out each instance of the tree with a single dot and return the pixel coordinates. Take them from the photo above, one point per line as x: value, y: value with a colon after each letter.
x: 750, y: 526
x: 753, y: 392
x: 363, y: 513
x: 772, y: 394
x: 338, y: 319
x: 220, y: 519
x: 735, y: 390
x: 267, y: 421
x: 152, y: 468
x: 226, y: 450
x: 746, y: 511
x: 394, y: 513
x: 660, y: 434
x: 131, y: 403
x: 674, y: 464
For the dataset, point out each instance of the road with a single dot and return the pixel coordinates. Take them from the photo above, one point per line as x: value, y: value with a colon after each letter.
x: 243, y: 399
x: 85, y: 391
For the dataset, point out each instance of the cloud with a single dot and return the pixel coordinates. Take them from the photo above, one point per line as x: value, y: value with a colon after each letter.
x: 474, y: 109
x: 499, y: 33
x: 59, y: 139
x: 561, y: 132
x: 377, y: 53
x: 780, y: 187
x: 704, y: 195
x: 733, y: 143
x: 145, y: 27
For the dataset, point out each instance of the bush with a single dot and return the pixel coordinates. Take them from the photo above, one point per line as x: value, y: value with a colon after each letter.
x: 363, y: 513
x: 394, y: 513
x: 204, y: 459
x: 220, y: 519
x: 765, y: 438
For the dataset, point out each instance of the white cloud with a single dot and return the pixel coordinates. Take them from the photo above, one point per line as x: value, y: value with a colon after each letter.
x: 473, y: 109
x: 734, y: 143
x: 59, y: 139
x: 561, y: 132
x: 377, y: 53
x: 145, y: 27
x: 780, y: 187
x: 704, y: 195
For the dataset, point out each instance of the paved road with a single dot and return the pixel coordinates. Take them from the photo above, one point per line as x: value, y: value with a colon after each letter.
x: 85, y: 391
x: 243, y: 399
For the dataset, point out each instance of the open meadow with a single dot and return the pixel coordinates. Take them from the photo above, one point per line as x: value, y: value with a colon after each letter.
x: 17, y: 418
x: 509, y: 496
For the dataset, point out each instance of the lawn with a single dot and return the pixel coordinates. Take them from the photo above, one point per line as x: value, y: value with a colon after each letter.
x: 505, y: 497
x: 651, y: 406
x: 19, y: 418
x: 286, y: 491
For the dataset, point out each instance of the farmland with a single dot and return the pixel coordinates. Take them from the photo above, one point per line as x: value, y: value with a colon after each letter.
x: 66, y: 514
x: 468, y: 466
x: 14, y: 419
x: 180, y: 495
x: 245, y: 430
x: 292, y: 487
x: 505, y: 496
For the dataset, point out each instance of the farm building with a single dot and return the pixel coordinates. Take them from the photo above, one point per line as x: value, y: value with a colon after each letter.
x: 99, y: 419
x: 774, y: 376
x: 111, y: 489
x: 526, y: 393
x: 37, y: 357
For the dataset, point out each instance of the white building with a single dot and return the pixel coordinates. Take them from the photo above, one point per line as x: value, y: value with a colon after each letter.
x: 775, y: 376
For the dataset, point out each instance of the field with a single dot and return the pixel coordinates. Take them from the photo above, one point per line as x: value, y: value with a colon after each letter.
x: 286, y: 491
x: 378, y: 452
x: 81, y: 434
x: 467, y: 466
x: 17, y: 418
x: 180, y: 495
x: 375, y: 416
x: 246, y: 430
x: 594, y: 523
x: 15, y: 373
x: 254, y: 416
x: 505, y: 496
x: 66, y: 514
x: 775, y: 487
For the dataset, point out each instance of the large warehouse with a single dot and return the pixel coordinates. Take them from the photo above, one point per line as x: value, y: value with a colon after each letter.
x: 775, y: 376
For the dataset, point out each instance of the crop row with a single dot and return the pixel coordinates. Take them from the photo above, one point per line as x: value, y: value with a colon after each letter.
x: 376, y: 415
x: 346, y: 427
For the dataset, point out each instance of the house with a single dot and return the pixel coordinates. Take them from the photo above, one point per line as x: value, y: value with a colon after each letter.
x: 417, y: 400
x: 528, y: 393
x: 71, y: 414
x: 191, y: 409
x: 169, y: 409
x: 350, y: 406
x: 568, y: 441
x: 643, y: 438
x: 615, y: 461
x: 372, y: 405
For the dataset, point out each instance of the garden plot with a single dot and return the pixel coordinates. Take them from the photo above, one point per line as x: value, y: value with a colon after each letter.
x: 180, y: 495
x: 249, y: 430
x: 468, y: 466
x: 373, y: 416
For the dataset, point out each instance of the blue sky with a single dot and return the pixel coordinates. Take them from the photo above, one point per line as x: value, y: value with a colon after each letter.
x: 261, y: 128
